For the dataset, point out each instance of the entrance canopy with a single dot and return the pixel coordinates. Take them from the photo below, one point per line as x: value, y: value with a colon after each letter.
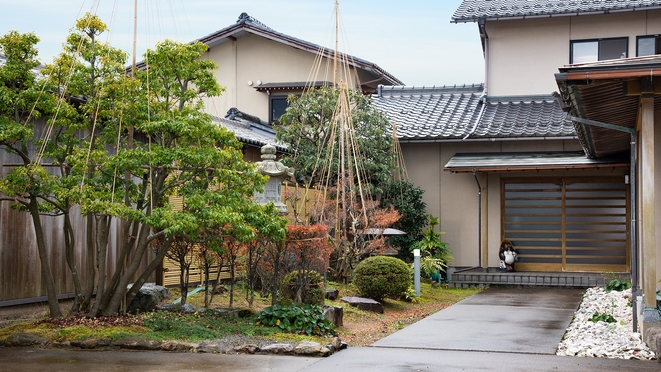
x: 529, y: 161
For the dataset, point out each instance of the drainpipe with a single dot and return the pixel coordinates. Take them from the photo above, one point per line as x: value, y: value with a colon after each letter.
x: 635, y: 290
x: 485, y: 37
x: 479, y: 220
x: 479, y: 228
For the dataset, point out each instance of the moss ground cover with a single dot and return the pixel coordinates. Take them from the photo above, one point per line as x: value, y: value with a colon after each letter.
x: 360, y: 328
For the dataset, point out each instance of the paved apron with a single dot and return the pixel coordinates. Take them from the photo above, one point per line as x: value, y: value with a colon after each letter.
x: 517, y: 320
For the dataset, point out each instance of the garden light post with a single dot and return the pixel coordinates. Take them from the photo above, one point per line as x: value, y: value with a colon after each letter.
x: 416, y: 271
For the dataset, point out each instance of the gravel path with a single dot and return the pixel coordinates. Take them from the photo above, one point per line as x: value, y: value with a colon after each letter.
x: 601, y: 339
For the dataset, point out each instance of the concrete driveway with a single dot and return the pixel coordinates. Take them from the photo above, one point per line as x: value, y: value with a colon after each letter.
x: 511, y: 320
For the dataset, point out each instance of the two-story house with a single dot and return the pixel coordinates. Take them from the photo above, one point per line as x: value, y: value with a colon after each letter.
x: 503, y: 160
x: 259, y: 67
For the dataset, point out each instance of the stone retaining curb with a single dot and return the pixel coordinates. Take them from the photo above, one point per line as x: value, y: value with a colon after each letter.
x: 304, y: 348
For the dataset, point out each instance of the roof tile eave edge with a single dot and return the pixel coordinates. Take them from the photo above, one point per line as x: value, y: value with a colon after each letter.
x: 576, y: 13
x: 293, y: 41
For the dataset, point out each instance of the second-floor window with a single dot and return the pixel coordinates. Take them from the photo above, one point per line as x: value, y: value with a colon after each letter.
x: 278, y: 106
x: 648, y: 45
x: 598, y: 49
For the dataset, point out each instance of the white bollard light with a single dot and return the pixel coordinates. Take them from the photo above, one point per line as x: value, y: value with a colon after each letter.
x: 416, y: 271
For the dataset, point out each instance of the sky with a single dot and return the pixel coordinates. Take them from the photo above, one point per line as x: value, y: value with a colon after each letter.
x: 413, y: 40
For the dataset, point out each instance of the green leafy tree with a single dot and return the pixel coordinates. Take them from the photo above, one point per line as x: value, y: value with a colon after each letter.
x: 406, y: 198
x: 306, y: 128
x: 128, y: 143
x: 182, y: 151
x: 21, y: 104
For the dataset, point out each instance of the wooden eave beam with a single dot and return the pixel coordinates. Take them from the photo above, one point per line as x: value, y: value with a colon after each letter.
x: 642, y: 86
x: 612, y: 74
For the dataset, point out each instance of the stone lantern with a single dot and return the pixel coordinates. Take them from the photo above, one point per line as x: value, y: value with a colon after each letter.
x: 277, y: 172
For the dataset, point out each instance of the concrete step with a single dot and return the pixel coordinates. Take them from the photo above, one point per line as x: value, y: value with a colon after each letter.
x: 492, y: 277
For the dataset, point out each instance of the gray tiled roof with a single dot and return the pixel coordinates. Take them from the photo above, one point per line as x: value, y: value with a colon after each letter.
x: 472, y: 10
x: 251, y: 133
x: 250, y: 24
x: 430, y: 112
x: 460, y: 113
x: 532, y: 116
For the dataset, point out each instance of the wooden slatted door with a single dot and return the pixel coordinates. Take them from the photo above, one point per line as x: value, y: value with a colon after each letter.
x: 567, y: 224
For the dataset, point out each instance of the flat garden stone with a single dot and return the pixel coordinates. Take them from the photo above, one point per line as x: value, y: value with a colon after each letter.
x: 137, y: 343
x: 91, y: 343
x: 26, y: 339
x: 364, y: 304
x: 278, y: 349
x: 311, y: 348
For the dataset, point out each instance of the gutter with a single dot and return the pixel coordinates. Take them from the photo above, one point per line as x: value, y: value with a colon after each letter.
x: 503, y: 139
x: 632, y: 208
x: 554, y: 15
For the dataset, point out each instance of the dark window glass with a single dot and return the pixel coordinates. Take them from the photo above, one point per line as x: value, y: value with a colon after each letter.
x: 648, y: 45
x: 612, y: 49
x: 278, y: 107
x: 598, y: 50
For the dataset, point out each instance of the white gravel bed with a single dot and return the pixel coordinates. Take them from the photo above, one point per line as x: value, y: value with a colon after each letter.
x: 601, y: 339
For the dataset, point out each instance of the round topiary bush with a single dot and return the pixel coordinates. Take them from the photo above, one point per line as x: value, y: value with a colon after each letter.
x: 381, y: 276
x: 304, y: 286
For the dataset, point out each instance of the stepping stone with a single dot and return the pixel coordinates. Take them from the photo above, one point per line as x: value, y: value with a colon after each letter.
x: 364, y: 304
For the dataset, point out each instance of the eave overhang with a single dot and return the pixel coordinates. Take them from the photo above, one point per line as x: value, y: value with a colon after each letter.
x: 242, y: 28
x: 608, y: 92
x: 527, y: 161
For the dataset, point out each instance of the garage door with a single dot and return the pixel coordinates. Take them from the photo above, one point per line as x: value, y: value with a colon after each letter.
x: 567, y: 224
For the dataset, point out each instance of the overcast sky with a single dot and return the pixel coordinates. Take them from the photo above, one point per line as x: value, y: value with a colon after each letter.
x: 413, y: 40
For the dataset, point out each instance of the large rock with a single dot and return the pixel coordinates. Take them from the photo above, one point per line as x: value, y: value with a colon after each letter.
x: 147, y: 298
x: 364, y: 304
x: 278, y: 349
x: 26, y: 339
x: 336, y: 345
x: 179, y: 308
x: 137, y: 343
x: 215, y: 347
x: 653, y: 340
x: 332, y: 294
x: 311, y: 348
x: 179, y: 346
x: 247, y: 349
x: 335, y: 314
x: 91, y: 343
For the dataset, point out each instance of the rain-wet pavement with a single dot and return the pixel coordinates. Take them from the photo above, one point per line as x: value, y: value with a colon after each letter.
x: 499, y: 329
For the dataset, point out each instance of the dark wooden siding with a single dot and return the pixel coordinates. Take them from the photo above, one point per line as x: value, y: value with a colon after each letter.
x: 20, y: 267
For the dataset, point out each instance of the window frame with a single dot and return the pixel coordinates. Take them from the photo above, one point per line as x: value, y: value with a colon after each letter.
x: 598, y: 41
x: 273, y: 97
x: 656, y: 37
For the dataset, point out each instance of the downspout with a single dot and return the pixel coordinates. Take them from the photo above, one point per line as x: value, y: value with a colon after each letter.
x: 483, y: 32
x: 635, y: 290
x: 479, y: 220
x: 483, y: 99
x: 483, y: 96
x: 479, y: 228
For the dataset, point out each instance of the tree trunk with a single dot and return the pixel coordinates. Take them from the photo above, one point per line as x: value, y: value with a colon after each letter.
x: 103, y: 230
x: 130, y: 295
x: 91, y: 261
x: 46, y: 274
x: 69, y: 244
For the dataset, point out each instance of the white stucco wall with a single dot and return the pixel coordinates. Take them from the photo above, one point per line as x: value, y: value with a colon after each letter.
x: 255, y: 58
x: 525, y: 54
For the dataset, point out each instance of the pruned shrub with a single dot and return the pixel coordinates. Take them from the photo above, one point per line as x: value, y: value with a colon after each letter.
x: 381, y: 276
x: 304, y: 286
